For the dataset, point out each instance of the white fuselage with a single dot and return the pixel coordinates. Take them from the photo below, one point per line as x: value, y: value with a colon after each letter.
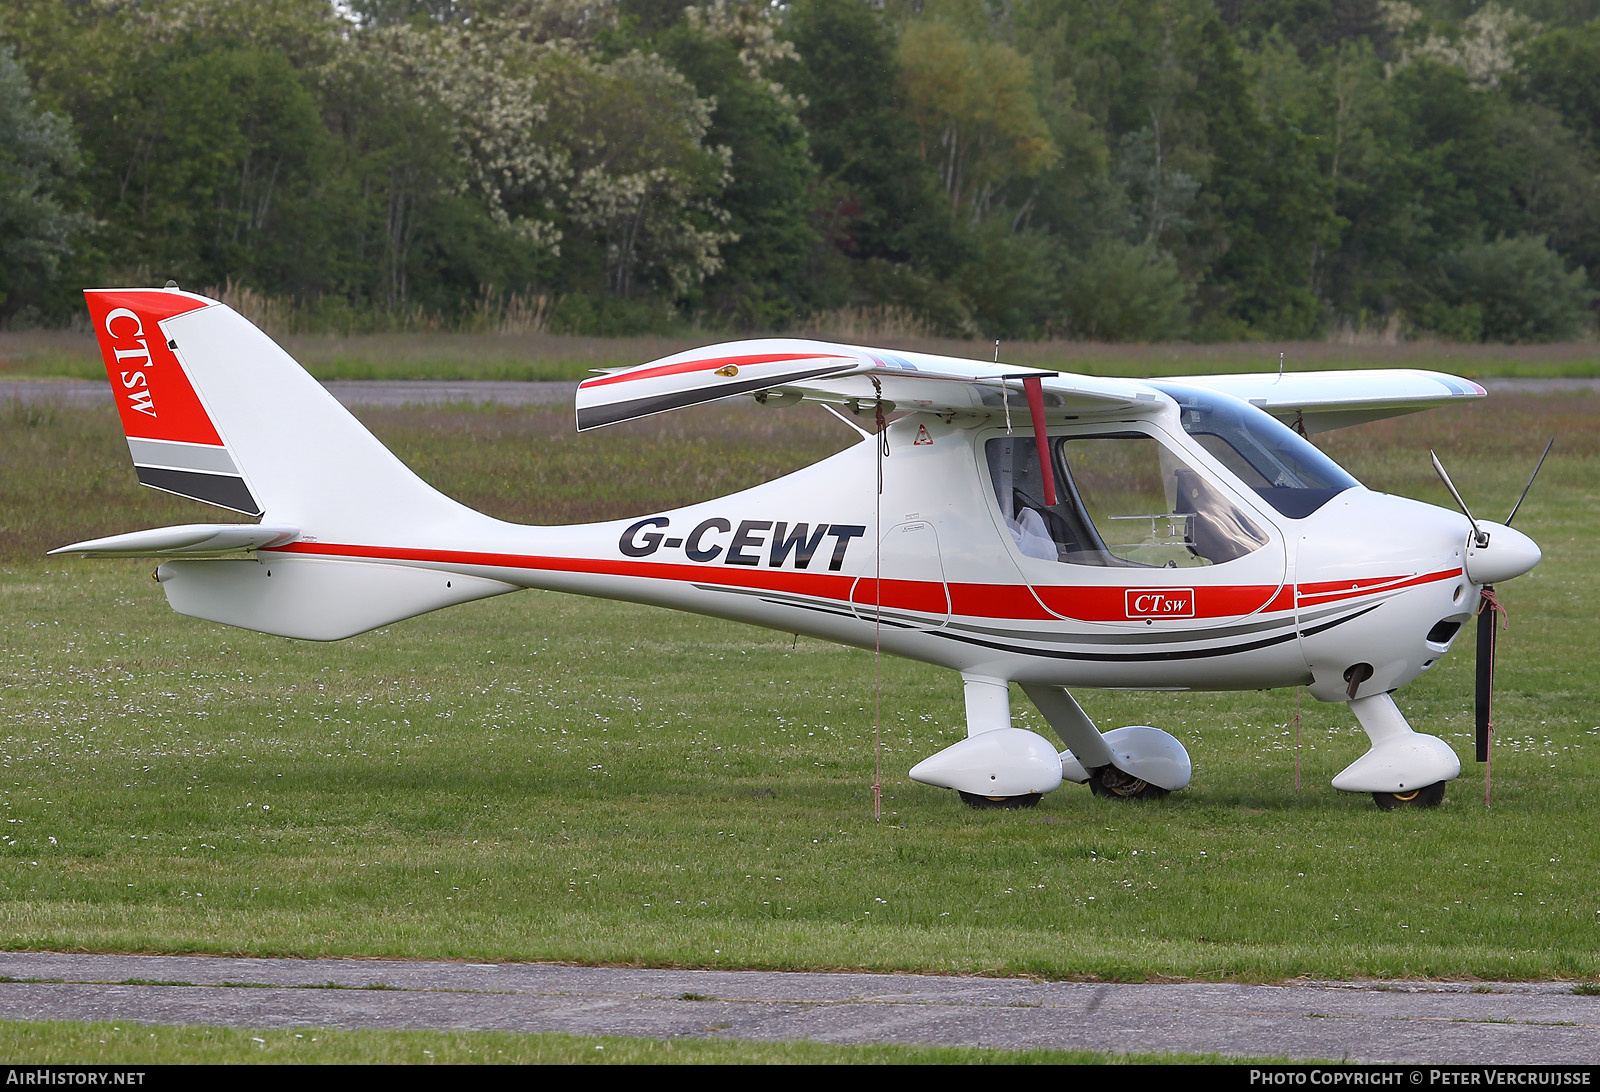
x: 1365, y: 579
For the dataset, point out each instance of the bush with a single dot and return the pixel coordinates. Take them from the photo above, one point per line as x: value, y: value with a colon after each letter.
x: 1122, y: 292
x: 936, y: 303
x: 1011, y: 282
x: 604, y: 315
x: 1510, y: 290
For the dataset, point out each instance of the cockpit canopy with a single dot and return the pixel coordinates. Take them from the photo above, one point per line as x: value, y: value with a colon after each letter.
x: 1282, y: 467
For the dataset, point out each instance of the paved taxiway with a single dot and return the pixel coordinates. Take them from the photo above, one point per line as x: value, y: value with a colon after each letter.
x: 1401, y: 1022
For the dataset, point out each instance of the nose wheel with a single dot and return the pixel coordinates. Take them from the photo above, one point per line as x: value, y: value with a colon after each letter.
x: 1429, y: 796
x: 1004, y: 803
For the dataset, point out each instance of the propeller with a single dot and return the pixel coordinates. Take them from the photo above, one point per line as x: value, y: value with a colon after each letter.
x: 1488, y: 605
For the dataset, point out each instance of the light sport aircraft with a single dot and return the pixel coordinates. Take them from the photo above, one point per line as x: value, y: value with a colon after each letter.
x: 1013, y: 525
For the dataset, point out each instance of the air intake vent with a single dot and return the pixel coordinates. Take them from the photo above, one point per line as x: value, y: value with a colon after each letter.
x: 1444, y: 632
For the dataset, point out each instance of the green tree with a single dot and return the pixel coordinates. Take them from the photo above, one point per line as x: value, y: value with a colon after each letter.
x: 397, y: 177
x: 1343, y: 104
x: 1270, y: 206
x: 202, y: 139
x: 1124, y: 292
x: 1561, y: 70
x: 770, y: 190
x: 1011, y: 282
x: 977, y: 121
x: 590, y: 162
x: 1311, y: 27
x: 882, y: 200
x: 205, y: 168
x: 38, y: 158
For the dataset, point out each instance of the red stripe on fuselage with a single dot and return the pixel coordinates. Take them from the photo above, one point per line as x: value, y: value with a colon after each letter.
x: 1014, y: 602
x: 705, y: 365
x: 1331, y: 591
x: 1007, y: 602
x: 1102, y: 604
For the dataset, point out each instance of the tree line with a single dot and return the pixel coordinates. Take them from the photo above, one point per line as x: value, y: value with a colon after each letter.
x: 1096, y: 169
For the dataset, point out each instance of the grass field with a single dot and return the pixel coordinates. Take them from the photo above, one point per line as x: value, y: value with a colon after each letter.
x: 545, y: 356
x: 127, y: 1044
x: 544, y: 777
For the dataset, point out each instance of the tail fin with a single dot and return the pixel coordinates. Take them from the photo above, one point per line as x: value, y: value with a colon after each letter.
x: 215, y: 410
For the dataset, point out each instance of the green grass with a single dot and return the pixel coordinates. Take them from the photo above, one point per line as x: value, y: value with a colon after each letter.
x: 128, y: 1044
x: 540, y: 777
x: 550, y: 357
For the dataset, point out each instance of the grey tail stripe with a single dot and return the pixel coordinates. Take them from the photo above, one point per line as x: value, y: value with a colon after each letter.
x: 610, y: 414
x: 201, y: 457
x: 224, y: 490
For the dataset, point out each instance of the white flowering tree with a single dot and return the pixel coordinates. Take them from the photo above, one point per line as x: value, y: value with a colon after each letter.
x: 599, y: 161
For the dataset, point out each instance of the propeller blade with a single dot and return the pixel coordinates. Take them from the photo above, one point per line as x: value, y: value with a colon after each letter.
x: 1529, y: 486
x: 1485, y: 672
x: 1438, y: 467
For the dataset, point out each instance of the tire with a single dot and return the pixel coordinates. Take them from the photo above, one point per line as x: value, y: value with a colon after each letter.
x: 1003, y: 803
x: 1112, y: 784
x: 1429, y: 796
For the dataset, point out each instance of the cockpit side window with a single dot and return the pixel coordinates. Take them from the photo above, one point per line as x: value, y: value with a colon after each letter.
x: 1122, y: 499
x: 1058, y: 532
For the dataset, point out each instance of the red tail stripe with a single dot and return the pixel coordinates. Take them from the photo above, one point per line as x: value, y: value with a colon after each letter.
x: 153, y: 395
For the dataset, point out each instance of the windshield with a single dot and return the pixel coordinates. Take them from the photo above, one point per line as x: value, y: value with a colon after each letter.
x: 1268, y: 456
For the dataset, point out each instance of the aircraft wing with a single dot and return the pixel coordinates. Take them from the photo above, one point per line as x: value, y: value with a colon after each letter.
x: 786, y: 370
x: 1321, y: 401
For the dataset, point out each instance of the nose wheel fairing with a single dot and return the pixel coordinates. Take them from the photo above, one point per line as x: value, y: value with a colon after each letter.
x: 1400, y: 761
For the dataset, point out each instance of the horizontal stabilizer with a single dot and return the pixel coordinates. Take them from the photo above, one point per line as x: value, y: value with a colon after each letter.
x: 188, y: 540
x: 1321, y: 401
x: 786, y: 370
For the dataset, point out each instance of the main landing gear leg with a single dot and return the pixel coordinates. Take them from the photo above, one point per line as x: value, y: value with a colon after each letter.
x: 996, y: 766
x: 1403, y: 768
x: 1132, y: 763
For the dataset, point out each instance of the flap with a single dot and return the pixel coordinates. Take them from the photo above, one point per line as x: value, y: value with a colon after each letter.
x: 791, y: 369
x: 1322, y: 401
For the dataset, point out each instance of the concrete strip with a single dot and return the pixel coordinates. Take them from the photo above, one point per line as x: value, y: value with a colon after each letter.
x: 1410, y: 1022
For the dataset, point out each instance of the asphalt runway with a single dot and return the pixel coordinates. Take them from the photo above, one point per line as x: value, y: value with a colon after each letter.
x: 1394, y: 1022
